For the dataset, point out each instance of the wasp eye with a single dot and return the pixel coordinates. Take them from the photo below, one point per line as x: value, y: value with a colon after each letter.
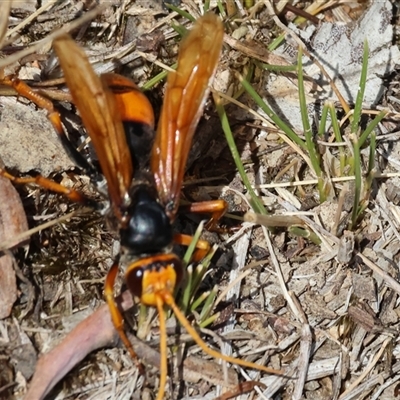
x: 134, y: 281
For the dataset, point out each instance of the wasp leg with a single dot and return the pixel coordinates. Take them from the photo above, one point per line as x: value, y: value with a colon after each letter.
x: 48, y: 184
x: 56, y: 120
x: 163, y: 348
x: 116, y: 315
x: 216, y: 208
x: 202, y: 246
x: 26, y: 91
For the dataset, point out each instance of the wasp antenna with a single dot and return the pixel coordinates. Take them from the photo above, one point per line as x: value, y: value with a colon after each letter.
x: 163, y: 349
x: 213, y: 353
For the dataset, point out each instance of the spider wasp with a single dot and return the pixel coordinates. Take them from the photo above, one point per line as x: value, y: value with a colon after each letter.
x: 143, y: 169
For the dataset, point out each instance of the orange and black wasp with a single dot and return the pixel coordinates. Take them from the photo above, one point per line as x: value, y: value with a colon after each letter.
x: 143, y: 169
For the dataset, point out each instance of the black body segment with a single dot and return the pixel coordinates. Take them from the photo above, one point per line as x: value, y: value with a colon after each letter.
x: 149, y: 230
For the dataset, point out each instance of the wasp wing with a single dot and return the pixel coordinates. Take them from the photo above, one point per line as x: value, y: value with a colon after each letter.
x: 101, y: 118
x: 186, y: 92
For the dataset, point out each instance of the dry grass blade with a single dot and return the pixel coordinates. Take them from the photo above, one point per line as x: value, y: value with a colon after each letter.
x: 5, y: 12
x: 23, y: 236
x: 304, y: 359
x: 31, y: 18
x: 62, y: 31
x: 233, y: 292
x: 391, y: 282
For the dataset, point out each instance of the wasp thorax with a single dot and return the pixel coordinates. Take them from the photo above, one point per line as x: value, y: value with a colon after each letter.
x: 149, y: 229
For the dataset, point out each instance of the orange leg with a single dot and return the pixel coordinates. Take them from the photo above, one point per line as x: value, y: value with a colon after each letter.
x: 54, y: 117
x: 48, y: 184
x: 26, y: 91
x: 202, y: 246
x: 216, y: 208
x: 116, y: 316
x: 163, y: 349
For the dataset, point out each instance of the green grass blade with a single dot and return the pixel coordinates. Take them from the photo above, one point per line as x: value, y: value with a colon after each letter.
x: 322, y: 123
x: 209, y: 320
x: 310, y: 144
x: 357, y: 185
x: 208, y: 305
x: 190, y: 250
x: 304, y: 232
x: 360, y: 94
x: 201, y: 299
x: 314, y: 157
x: 277, y: 42
x: 249, y: 75
x: 157, y: 79
x: 357, y: 207
x: 275, y: 68
x: 221, y: 8
x: 371, y: 126
x: 261, y: 103
x: 371, y: 159
x: 181, y: 12
x: 187, y: 290
x: 255, y: 202
x: 199, y: 274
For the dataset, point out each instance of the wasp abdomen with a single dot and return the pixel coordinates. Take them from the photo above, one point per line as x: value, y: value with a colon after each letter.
x: 140, y: 138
